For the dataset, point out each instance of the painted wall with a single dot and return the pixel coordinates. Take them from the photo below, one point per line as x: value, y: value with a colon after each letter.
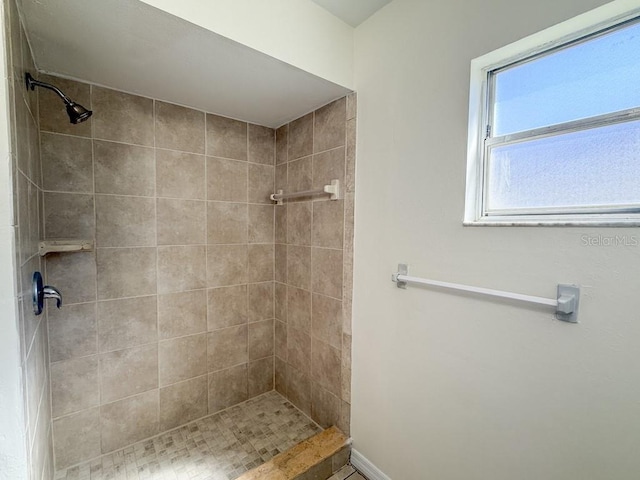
x: 298, y: 32
x: 450, y: 386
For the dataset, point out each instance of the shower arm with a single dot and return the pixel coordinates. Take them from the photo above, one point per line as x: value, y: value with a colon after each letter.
x: 32, y: 83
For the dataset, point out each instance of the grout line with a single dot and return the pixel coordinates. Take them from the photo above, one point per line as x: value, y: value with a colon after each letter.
x: 155, y: 206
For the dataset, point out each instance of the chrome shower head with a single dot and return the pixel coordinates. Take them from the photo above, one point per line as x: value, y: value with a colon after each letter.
x: 77, y: 113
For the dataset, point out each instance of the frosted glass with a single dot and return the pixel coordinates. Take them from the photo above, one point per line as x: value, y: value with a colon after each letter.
x: 591, y: 78
x: 600, y: 166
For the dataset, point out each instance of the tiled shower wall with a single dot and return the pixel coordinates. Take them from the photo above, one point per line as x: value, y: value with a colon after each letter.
x: 27, y: 183
x: 314, y: 263
x: 171, y: 317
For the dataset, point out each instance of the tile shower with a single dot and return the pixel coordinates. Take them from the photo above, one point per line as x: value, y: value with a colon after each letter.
x: 173, y: 317
x: 200, y: 293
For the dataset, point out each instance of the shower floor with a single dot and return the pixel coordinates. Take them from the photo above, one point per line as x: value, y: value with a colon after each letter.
x: 219, y: 447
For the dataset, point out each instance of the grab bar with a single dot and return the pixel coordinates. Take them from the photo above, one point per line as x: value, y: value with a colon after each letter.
x: 333, y: 189
x: 566, y: 302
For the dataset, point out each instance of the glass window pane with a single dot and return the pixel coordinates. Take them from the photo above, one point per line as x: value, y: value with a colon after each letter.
x: 600, y: 166
x: 591, y: 78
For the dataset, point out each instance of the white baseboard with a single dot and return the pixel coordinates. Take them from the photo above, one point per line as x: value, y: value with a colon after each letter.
x: 368, y: 469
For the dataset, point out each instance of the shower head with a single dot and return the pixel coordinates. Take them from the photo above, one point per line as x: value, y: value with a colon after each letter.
x: 77, y: 113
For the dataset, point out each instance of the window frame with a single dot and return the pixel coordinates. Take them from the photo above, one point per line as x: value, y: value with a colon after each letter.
x: 581, y: 28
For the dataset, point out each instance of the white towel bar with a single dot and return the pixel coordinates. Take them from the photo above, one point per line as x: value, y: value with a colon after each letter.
x: 566, y: 302
x: 333, y: 189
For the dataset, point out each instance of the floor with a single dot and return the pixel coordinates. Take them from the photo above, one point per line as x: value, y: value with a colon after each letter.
x: 347, y: 472
x: 220, y: 447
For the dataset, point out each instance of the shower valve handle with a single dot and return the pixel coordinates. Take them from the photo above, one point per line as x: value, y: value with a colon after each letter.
x: 40, y: 292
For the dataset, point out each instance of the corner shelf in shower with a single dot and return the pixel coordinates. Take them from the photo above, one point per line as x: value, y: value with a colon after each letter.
x: 64, y: 246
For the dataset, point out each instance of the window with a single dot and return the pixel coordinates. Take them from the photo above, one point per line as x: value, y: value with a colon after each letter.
x: 554, y: 131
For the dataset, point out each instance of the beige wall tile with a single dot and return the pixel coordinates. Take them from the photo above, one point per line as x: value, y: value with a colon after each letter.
x: 280, y: 263
x: 53, y: 113
x: 226, y: 265
x: 181, y: 222
x: 327, y: 320
x: 72, y: 331
x: 125, y: 221
x: 122, y: 117
x: 181, y: 268
x: 345, y: 418
x: 326, y: 272
x: 281, y: 178
x: 328, y: 223
x: 280, y: 223
x: 299, y: 389
x: 260, y: 301
x: 299, y: 309
x: 182, y: 313
x: 345, y: 392
x: 261, y: 223
x: 262, y: 144
x: 299, y: 266
x: 261, y: 183
x: 352, y: 105
x: 226, y: 137
x: 282, y: 141
x: 328, y: 166
x: 182, y: 358
x: 299, y: 223
x: 227, y: 387
x: 179, y: 128
x: 36, y: 373
x: 298, y: 349
x: 180, y: 175
x: 350, y: 167
x: 226, y: 222
x: 227, y: 347
x: 68, y: 215
x: 280, y: 340
x: 299, y: 175
x: 74, y: 275
x: 260, y: 376
x: 124, y: 169
x: 280, y: 376
x: 260, y: 263
x: 325, y: 407
x: 117, y: 428
x: 227, y: 180
x: 261, y: 339
x: 67, y: 163
x: 227, y: 307
x: 183, y: 402
x: 300, y: 137
x: 126, y: 272
x: 329, y: 126
x: 326, y: 366
x: 77, y: 437
x: 74, y: 385
x: 128, y: 372
x: 127, y: 323
x: 280, y: 301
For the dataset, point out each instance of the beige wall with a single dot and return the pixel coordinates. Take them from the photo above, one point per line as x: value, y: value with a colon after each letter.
x: 171, y: 318
x: 314, y: 263
x: 28, y: 218
x: 450, y: 386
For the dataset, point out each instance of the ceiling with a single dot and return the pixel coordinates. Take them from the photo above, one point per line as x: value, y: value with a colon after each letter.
x: 353, y: 12
x: 133, y: 47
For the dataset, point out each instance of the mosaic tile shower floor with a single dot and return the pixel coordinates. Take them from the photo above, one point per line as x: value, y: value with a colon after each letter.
x: 219, y: 447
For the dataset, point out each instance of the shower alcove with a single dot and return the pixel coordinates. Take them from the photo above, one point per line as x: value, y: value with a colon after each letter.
x: 205, y: 317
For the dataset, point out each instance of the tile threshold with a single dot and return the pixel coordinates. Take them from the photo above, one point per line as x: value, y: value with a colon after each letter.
x: 302, y: 458
x: 221, y: 446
